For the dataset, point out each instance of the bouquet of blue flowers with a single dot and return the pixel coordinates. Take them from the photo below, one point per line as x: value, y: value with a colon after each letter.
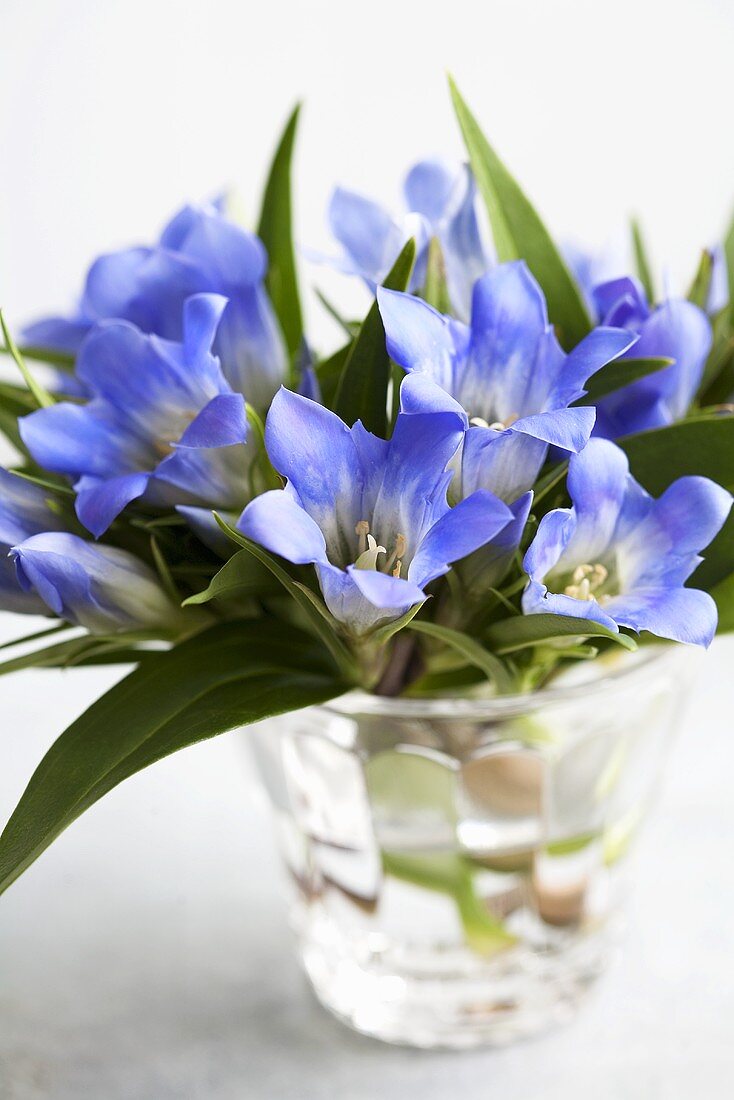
x: 511, y: 463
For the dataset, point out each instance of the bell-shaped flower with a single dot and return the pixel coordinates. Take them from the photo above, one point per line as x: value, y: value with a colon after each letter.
x: 25, y: 509
x: 162, y: 423
x: 507, y: 370
x: 620, y: 557
x: 103, y: 589
x: 440, y: 202
x: 199, y: 251
x: 676, y: 329
x: 370, y: 514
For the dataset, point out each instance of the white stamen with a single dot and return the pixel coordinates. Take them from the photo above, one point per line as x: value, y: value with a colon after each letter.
x: 398, y: 567
x: 585, y: 580
x: 368, y: 558
x: 496, y: 425
x: 401, y: 545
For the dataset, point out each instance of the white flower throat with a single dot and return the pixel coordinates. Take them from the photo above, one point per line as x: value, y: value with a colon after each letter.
x: 369, y: 551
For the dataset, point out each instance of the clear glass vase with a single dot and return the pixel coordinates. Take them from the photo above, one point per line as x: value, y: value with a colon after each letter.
x: 456, y: 864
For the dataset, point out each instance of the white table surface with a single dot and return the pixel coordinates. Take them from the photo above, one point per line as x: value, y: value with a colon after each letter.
x: 146, y: 955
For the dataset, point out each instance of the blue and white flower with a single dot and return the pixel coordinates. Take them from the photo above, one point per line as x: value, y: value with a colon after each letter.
x: 440, y: 201
x: 100, y: 588
x: 25, y: 509
x: 369, y: 513
x: 162, y: 423
x: 200, y: 251
x: 676, y: 329
x: 507, y: 370
x: 621, y: 558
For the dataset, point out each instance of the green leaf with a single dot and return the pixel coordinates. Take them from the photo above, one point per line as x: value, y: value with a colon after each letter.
x: 329, y: 372
x: 67, y: 654
x: 55, y: 358
x: 523, y: 631
x: 698, y: 292
x: 41, y: 395
x: 242, y: 577
x: 383, y: 634
x: 436, y: 291
x: 362, y: 392
x: 519, y: 233
x: 472, y: 651
x: 729, y: 256
x: 228, y: 676
x: 718, y: 563
x: 349, y: 328
x: 703, y: 445
x: 320, y: 620
x: 617, y: 374
x: 275, y: 230
x: 642, y: 262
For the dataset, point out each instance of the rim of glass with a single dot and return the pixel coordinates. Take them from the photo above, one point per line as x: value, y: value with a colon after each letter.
x: 457, y: 706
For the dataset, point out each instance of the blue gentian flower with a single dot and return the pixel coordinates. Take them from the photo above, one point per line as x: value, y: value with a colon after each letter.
x: 621, y: 558
x: 440, y: 201
x: 369, y: 513
x: 25, y: 510
x: 677, y: 330
x: 162, y: 423
x: 103, y: 589
x: 200, y: 250
x: 507, y: 370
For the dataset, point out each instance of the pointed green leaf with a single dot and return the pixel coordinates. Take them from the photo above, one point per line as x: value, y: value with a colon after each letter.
x: 228, y: 676
x: 522, y: 631
x: 242, y: 577
x: 519, y: 233
x: 275, y: 230
x: 698, y: 292
x: 472, y: 651
x: 642, y: 263
x: 617, y: 374
x: 362, y: 392
x: 319, y: 620
x: 703, y: 445
x: 41, y: 395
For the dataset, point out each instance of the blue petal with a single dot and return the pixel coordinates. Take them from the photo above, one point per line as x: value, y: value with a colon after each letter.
x: 507, y: 463
x: 555, y: 531
x: 429, y: 188
x: 279, y: 523
x: 57, y: 333
x: 314, y: 450
x: 251, y: 347
x: 386, y: 592
x: 99, y: 502
x: 24, y: 510
x: 366, y: 231
x: 667, y: 538
x: 569, y: 429
x: 221, y: 423
x: 621, y: 302
x: 68, y: 439
x: 420, y: 394
x: 227, y: 254
x: 464, y: 253
x: 598, y: 482
x: 201, y: 316
x: 601, y: 346
x: 509, y: 319
x: 474, y: 522
x: 13, y: 597
x: 419, y: 338
x: 98, y: 587
x: 537, y: 600
x: 681, y: 614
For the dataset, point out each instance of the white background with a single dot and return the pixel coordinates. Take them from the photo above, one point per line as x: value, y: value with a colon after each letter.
x: 144, y: 956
